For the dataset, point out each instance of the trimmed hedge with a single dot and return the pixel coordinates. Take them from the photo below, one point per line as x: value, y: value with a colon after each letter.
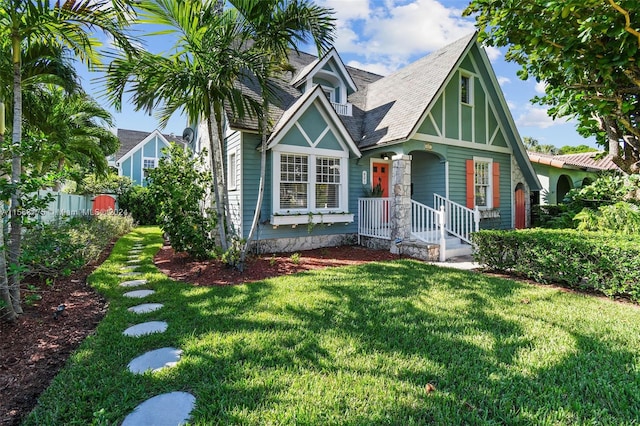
x: 605, y: 262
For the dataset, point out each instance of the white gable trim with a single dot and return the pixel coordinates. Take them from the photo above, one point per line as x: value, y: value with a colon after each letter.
x: 141, y: 144
x: 333, y: 53
x: 327, y: 112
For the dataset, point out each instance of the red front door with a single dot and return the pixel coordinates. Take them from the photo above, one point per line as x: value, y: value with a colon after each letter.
x: 103, y: 203
x: 380, y: 177
x: 520, y: 209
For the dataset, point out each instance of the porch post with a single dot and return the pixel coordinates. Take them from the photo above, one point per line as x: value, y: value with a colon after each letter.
x: 400, y: 220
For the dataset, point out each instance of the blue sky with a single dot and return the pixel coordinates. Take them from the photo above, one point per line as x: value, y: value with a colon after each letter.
x: 384, y: 35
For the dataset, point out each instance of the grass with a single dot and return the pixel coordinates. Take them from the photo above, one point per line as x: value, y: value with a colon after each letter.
x: 358, y: 345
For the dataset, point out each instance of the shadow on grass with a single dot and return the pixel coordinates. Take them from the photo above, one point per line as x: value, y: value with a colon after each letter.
x: 358, y: 345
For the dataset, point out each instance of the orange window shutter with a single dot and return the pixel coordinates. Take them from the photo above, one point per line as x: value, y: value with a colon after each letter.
x: 470, y: 184
x: 496, y: 185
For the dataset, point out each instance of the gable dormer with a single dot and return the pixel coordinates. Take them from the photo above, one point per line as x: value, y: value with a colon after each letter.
x: 330, y: 73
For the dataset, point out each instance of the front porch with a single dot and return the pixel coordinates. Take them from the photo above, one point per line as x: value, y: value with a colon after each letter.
x: 406, y: 226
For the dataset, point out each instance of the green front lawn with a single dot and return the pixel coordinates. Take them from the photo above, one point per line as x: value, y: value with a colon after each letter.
x: 358, y: 345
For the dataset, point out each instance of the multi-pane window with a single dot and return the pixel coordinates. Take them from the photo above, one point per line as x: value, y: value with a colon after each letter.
x: 232, y: 171
x: 482, y: 182
x: 149, y: 163
x: 327, y: 183
x: 294, y: 181
x: 465, y: 89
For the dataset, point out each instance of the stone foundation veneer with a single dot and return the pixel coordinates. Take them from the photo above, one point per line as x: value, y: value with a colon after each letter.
x: 290, y: 245
x: 415, y: 249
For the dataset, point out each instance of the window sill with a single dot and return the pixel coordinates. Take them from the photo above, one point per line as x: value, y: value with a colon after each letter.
x: 302, y: 218
x: 489, y: 213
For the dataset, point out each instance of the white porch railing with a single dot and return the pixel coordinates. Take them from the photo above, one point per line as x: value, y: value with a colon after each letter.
x: 425, y: 223
x: 460, y: 220
x: 373, y: 218
x: 343, y: 109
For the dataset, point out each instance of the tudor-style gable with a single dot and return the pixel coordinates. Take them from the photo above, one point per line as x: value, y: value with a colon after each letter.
x: 330, y: 73
x: 310, y: 150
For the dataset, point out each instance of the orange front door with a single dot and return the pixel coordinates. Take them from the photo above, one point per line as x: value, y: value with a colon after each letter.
x: 520, y: 209
x: 380, y: 176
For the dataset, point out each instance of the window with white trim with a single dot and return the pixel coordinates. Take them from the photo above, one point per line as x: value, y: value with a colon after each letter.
x: 482, y: 182
x: 294, y: 181
x: 465, y: 89
x: 148, y: 163
x: 327, y: 183
x: 232, y: 175
x: 310, y: 183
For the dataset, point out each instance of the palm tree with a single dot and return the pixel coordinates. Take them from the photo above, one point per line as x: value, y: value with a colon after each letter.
x: 277, y: 27
x: 74, y: 128
x: 70, y: 23
x: 212, y: 52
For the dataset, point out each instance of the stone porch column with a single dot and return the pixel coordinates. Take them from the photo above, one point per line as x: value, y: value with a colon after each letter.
x: 400, y: 200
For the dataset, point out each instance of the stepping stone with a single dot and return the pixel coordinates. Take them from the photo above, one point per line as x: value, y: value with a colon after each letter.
x: 146, y: 328
x: 173, y: 408
x: 138, y: 294
x: 133, y: 283
x: 133, y: 261
x: 130, y: 267
x: 155, y: 360
x: 145, y: 308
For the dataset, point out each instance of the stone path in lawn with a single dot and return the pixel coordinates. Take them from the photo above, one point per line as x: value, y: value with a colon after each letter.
x: 173, y: 408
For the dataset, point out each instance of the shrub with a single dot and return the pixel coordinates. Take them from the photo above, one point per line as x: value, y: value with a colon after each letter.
x: 178, y: 186
x: 619, y: 217
x: 140, y: 203
x: 606, y: 262
x: 60, y: 248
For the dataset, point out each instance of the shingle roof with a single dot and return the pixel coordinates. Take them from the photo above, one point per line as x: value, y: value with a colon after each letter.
x: 395, y: 103
x: 592, y: 161
x: 130, y: 138
x: 384, y: 109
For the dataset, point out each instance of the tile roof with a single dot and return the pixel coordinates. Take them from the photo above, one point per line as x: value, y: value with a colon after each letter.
x: 130, y: 138
x: 591, y: 161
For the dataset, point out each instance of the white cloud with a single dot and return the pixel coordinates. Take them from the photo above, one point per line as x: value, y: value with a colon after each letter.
x: 536, y: 117
x: 392, y: 33
x: 540, y: 87
x: 511, y: 105
x: 503, y: 80
x: 493, y: 53
x: 374, y: 67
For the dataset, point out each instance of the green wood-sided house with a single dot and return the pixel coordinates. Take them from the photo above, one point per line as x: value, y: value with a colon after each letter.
x: 138, y: 152
x: 413, y: 162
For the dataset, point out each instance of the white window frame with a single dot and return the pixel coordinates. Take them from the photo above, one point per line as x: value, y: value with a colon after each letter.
x: 232, y: 170
x: 312, y: 155
x: 469, y: 78
x: 330, y: 91
x: 144, y: 169
x: 489, y: 195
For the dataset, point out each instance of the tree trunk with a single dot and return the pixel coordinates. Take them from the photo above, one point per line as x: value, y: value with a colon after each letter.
x: 6, y: 307
x: 263, y: 170
x: 222, y: 180
x: 16, y: 169
x: 216, y: 188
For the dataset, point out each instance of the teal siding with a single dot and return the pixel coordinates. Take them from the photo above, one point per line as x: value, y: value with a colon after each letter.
x: 149, y: 149
x: 294, y: 137
x: 467, y: 123
x: 427, y: 177
x: 479, y: 109
x: 312, y: 123
x: 126, y: 168
x: 452, y: 102
x: 235, y: 195
x: 136, y: 175
x: 329, y: 141
x: 457, y: 184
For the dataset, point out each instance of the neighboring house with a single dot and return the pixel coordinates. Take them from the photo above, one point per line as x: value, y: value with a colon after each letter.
x: 139, y: 151
x: 434, y: 135
x: 558, y: 174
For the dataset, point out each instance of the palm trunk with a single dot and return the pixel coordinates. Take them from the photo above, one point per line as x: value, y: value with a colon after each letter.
x: 222, y: 180
x: 6, y: 307
x: 16, y: 169
x: 263, y: 170
x: 216, y: 188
